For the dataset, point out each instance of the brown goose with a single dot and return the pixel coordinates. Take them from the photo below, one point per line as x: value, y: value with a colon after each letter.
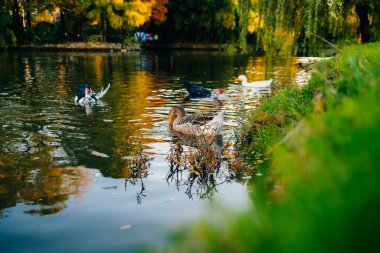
x: 196, y: 124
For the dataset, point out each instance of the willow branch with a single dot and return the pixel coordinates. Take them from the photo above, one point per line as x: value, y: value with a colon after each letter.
x: 328, y: 42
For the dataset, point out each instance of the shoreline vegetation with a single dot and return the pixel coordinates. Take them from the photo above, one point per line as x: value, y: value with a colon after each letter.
x: 75, y: 46
x: 115, y: 47
x: 271, y: 27
x: 108, y: 46
x: 320, y: 192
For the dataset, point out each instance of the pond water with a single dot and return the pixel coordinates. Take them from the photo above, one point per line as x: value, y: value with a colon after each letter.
x: 65, y: 184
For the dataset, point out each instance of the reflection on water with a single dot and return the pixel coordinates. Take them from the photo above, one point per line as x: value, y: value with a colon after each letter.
x: 197, y: 162
x: 53, y: 152
x: 136, y: 165
x: 45, y: 189
x: 137, y: 181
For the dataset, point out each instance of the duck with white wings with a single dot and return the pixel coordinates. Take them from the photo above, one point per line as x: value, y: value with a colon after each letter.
x: 255, y: 84
x: 85, y: 95
x: 198, y: 124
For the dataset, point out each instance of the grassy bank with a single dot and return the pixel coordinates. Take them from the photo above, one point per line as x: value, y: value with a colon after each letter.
x: 322, y: 190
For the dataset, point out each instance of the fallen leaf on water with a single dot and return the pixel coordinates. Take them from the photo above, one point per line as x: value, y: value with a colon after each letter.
x: 170, y: 200
x: 109, y: 187
x: 96, y: 153
x: 127, y: 226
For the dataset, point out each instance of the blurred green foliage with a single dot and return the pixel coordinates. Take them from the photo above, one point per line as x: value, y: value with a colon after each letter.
x: 7, y: 36
x: 322, y: 191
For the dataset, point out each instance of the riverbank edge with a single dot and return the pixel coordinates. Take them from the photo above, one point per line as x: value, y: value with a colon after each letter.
x: 75, y: 46
x: 102, y: 46
x: 151, y: 45
x: 320, y: 168
x: 146, y: 46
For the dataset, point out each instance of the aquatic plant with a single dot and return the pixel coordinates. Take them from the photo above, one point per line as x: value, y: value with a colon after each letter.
x: 135, y: 163
x: 135, y: 160
x: 202, y: 163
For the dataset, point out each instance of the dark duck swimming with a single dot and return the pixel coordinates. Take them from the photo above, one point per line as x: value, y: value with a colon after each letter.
x: 200, y: 92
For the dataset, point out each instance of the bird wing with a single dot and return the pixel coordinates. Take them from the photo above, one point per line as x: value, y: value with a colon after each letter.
x: 264, y: 83
x: 196, y: 119
x: 102, y: 92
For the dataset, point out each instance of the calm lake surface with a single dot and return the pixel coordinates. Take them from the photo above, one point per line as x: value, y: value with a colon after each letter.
x: 64, y: 182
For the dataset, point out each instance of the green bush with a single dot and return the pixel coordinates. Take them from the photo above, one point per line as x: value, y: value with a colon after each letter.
x: 92, y: 30
x: 92, y: 38
x: 45, y: 32
x: 7, y: 36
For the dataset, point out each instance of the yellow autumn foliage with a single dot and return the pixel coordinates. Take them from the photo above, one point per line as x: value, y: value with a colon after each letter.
x: 279, y: 42
x: 43, y: 17
x: 138, y: 12
x: 254, y: 21
x: 352, y: 18
x: 116, y: 21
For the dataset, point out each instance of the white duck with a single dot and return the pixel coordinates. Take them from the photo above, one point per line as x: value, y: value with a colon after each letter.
x: 85, y: 95
x: 196, y: 124
x: 257, y: 84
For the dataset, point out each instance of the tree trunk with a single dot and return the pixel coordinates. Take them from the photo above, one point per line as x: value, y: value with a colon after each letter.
x: 16, y: 18
x: 103, y: 20
x: 28, y: 19
x: 63, y: 23
x: 28, y: 15
x: 364, y: 26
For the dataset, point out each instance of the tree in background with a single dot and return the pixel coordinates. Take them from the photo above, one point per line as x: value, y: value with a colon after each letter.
x: 368, y: 13
x: 204, y: 21
x: 159, y: 11
x: 14, y: 7
x: 137, y: 13
x: 99, y: 12
x: 118, y: 14
x: 290, y: 25
x: 67, y: 8
x: 225, y: 21
x: 243, y: 13
x: 7, y: 37
x: 277, y: 27
x: 35, y: 6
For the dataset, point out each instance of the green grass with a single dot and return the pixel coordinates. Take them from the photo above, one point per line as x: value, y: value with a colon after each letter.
x: 322, y: 192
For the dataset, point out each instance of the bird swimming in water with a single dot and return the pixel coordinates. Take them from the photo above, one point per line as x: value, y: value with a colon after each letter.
x: 198, y: 124
x: 85, y: 95
x: 255, y: 84
x: 198, y: 91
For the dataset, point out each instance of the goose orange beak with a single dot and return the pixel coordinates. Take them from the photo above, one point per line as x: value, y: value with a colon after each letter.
x: 170, y: 122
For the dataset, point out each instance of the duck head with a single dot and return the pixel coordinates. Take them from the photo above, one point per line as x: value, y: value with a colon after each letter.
x: 175, y: 114
x: 242, y: 78
x: 217, y: 92
x: 88, y: 92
